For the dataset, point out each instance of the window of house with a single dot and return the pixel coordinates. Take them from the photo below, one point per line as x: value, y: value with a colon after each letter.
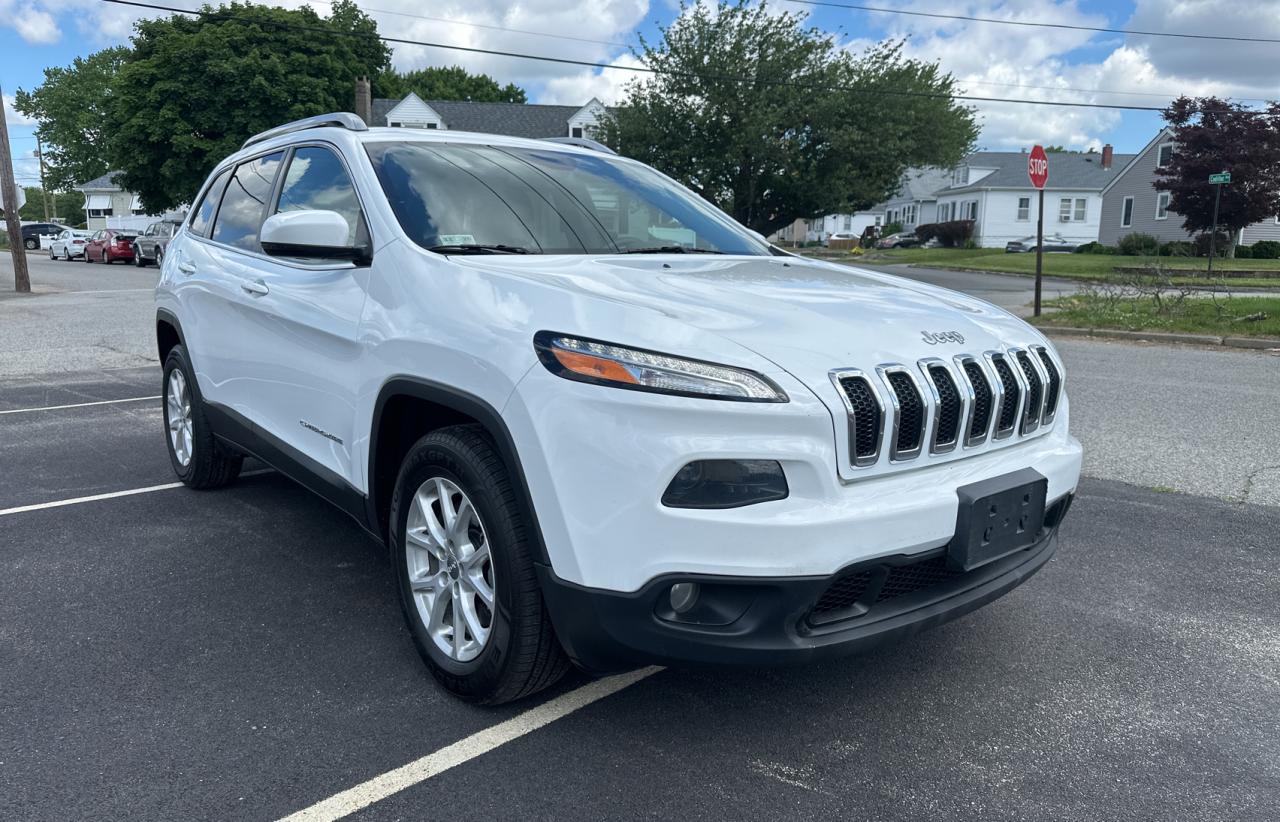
x: 960, y: 176
x: 848, y: 222
x: 245, y: 201
x: 202, y: 214
x: 1082, y: 210
x: 1064, y: 210
x: 1162, y: 205
x: 878, y: 219
x: 576, y: 131
x: 1126, y: 212
x: 1024, y: 208
x: 316, y: 179
x: 1164, y: 154
x: 431, y: 125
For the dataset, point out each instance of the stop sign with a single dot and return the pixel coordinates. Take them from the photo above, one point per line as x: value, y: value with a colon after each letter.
x: 1038, y: 167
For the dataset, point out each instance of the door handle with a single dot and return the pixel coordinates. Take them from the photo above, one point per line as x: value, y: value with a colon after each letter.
x: 255, y: 287
x: 187, y: 268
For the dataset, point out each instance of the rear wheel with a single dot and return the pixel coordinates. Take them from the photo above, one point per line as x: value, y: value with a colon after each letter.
x: 198, y: 459
x: 31, y: 244
x: 137, y: 257
x: 463, y: 558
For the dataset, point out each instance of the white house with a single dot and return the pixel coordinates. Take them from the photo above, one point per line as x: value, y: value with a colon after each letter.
x: 511, y: 119
x: 107, y: 205
x: 991, y: 188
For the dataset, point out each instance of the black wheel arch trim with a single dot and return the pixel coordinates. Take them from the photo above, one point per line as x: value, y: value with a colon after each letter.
x: 472, y: 406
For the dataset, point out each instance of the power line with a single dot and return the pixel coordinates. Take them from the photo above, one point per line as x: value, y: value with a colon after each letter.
x: 649, y: 70
x: 1038, y: 25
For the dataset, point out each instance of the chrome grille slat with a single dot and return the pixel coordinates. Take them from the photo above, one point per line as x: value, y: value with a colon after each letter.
x: 1054, y: 390
x: 982, y: 400
x: 948, y: 405
x: 1010, y: 395
x: 866, y: 414
x: 1033, y: 407
x: 910, y: 415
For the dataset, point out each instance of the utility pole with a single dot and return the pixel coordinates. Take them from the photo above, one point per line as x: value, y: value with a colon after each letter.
x: 9, y: 188
x: 44, y: 189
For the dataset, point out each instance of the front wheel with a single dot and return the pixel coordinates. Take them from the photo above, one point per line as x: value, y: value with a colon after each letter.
x: 463, y: 557
x: 31, y: 245
x: 198, y: 459
x: 138, y: 262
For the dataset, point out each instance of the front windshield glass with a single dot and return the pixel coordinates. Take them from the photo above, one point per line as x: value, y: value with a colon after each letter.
x: 464, y: 197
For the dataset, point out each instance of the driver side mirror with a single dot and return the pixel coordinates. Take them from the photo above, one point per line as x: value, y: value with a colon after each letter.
x: 317, y: 234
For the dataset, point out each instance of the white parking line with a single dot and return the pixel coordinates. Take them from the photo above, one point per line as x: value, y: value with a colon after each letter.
x: 58, y: 503
x: 481, y: 742
x: 75, y: 405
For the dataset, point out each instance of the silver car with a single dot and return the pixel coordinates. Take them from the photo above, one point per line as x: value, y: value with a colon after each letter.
x: 69, y: 244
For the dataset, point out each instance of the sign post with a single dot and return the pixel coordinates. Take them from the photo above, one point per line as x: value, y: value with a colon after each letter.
x: 1038, y: 174
x: 1220, y: 179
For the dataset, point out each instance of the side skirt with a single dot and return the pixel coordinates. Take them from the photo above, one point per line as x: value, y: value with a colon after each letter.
x: 246, y: 436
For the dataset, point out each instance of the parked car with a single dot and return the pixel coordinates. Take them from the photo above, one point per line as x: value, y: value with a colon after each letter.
x: 583, y: 440
x: 904, y: 239
x: 69, y: 244
x: 34, y: 234
x: 149, y: 246
x: 1055, y: 242
x: 841, y: 236
x: 109, y: 245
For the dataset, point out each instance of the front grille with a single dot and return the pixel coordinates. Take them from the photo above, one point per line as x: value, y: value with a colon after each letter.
x: 853, y: 594
x: 981, y: 401
x: 910, y: 414
x: 1012, y: 393
x: 1055, y: 385
x: 868, y: 419
x: 947, y: 426
x: 1035, y: 392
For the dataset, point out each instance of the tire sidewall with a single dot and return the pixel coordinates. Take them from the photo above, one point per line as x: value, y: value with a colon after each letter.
x: 177, y: 360
x: 439, y: 459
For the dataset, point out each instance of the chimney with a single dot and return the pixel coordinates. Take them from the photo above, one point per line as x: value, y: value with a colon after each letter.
x: 364, y: 100
x: 1106, y: 156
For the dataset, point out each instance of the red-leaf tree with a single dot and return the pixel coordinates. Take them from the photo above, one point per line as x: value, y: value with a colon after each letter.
x: 1213, y: 135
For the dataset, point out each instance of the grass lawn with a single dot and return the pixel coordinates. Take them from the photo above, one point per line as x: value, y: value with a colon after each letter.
x: 1195, y: 315
x: 1068, y: 266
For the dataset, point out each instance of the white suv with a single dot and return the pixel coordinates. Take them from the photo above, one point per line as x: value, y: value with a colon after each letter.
x: 593, y: 418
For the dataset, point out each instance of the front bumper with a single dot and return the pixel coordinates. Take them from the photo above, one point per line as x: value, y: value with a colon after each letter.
x: 772, y: 620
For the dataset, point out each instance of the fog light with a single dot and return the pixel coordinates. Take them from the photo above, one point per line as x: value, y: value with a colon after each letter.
x: 726, y: 484
x: 684, y: 595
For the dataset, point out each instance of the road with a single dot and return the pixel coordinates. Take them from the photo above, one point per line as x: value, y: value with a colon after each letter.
x: 1009, y: 291
x: 239, y: 654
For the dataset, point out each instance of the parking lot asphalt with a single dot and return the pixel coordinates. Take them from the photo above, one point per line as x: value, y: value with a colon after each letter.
x: 239, y: 654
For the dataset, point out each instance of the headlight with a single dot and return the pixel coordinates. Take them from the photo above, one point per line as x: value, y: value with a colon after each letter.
x: 606, y: 364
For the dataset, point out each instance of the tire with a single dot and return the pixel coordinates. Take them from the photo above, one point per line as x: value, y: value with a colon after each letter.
x: 52, y: 256
x: 66, y: 254
x: 30, y: 244
x: 137, y: 257
x: 159, y: 256
x: 208, y: 463
x: 520, y: 654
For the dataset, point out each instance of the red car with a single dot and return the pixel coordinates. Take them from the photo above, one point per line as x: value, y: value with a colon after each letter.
x: 109, y: 245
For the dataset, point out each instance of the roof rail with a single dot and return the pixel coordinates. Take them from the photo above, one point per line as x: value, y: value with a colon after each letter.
x: 341, y: 119
x: 581, y: 142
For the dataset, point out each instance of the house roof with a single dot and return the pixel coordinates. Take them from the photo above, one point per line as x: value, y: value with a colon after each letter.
x: 1067, y: 170
x: 510, y: 119
x: 1164, y: 135
x: 104, y: 183
x: 921, y: 183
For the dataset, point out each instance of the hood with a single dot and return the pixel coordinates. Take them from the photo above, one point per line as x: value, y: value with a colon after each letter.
x: 807, y: 317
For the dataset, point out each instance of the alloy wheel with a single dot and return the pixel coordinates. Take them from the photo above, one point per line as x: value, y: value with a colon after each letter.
x: 178, y: 405
x: 451, y: 573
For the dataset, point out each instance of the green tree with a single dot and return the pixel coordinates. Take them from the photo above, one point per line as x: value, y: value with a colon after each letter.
x: 1212, y: 135
x: 772, y: 121
x: 67, y: 206
x: 69, y: 108
x: 446, y: 83
x: 193, y: 89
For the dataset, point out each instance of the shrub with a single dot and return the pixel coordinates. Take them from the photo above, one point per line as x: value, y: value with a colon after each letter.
x: 927, y: 232
x: 1243, y: 252
x: 1219, y: 246
x: 1266, y: 250
x: 1095, y: 248
x: 1138, y: 245
x: 1178, y: 248
x: 953, y: 234
x: 891, y: 228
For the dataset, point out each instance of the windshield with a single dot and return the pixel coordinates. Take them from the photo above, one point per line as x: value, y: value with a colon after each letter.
x: 468, y: 198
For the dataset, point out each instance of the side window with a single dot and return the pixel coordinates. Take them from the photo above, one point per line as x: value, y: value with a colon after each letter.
x: 202, y: 215
x: 244, y: 203
x: 316, y: 179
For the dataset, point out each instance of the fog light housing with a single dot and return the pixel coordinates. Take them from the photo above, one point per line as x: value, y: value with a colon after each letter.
x: 726, y: 484
x: 683, y: 596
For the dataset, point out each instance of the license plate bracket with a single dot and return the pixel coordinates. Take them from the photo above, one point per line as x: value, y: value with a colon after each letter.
x: 997, y: 517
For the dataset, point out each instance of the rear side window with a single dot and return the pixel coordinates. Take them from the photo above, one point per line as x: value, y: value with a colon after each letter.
x: 244, y: 203
x: 202, y: 215
x: 316, y: 179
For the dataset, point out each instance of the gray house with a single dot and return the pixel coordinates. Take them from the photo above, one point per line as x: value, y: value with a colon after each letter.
x: 916, y: 202
x: 1130, y: 202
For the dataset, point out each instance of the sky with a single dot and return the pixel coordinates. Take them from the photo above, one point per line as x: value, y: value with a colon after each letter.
x: 989, y: 60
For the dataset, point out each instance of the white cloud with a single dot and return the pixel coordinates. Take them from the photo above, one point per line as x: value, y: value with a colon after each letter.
x: 608, y: 86
x: 32, y: 22
x: 11, y: 115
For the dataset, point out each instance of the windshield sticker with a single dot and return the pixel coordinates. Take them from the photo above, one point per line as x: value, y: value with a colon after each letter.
x: 457, y: 239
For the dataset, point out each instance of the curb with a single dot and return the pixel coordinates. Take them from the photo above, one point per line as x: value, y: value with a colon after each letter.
x: 1254, y: 343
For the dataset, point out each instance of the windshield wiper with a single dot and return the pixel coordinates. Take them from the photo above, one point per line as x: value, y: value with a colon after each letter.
x: 476, y: 248
x: 671, y: 249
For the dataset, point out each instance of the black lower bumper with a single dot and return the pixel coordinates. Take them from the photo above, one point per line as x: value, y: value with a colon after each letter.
x: 772, y: 620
